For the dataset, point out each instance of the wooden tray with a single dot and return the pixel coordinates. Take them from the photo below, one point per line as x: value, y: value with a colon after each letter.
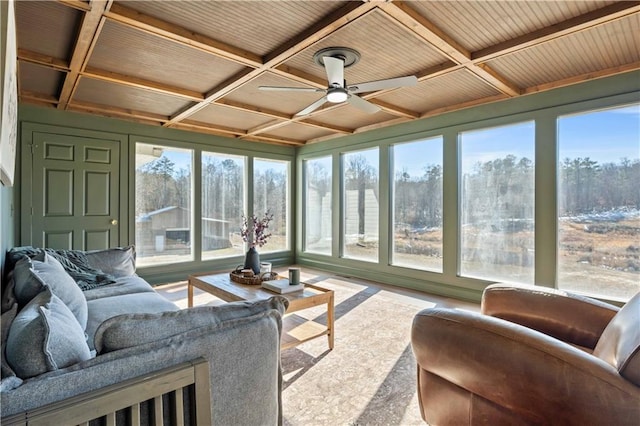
x: 236, y: 276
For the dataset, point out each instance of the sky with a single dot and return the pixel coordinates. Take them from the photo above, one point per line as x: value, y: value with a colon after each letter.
x: 604, y: 136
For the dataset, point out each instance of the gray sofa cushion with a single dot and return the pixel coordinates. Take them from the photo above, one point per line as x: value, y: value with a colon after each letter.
x: 31, y: 276
x: 123, y: 285
x: 107, y: 307
x: 45, y: 336
x: 119, y: 261
x: 130, y: 330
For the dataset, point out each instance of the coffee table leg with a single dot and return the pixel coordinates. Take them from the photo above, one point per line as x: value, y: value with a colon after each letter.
x: 330, y: 322
x: 189, y: 294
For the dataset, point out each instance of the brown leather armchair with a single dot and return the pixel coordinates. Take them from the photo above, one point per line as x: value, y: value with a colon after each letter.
x: 533, y: 356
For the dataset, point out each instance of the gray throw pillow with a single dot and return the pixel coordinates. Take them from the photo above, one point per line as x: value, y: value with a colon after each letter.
x: 128, y: 330
x: 118, y: 261
x: 5, y: 323
x: 31, y: 276
x: 45, y: 336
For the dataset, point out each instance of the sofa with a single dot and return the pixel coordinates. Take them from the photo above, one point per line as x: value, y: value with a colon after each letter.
x: 532, y: 356
x: 78, y: 322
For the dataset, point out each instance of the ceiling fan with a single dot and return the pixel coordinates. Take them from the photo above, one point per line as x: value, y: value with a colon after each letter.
x: 335, y: 60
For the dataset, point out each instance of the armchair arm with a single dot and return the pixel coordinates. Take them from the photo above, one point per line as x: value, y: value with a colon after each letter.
x: 533, y: 376
x: 569, y: 317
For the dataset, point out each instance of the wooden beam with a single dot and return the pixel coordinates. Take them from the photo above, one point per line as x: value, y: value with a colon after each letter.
x: 486, y: 73
x: 209, y: 128
x: 424, y: 28
x: 44, y: 60
x: 325, y: 126
x: 326, y: 26
x: 451, y: 49
x: 38, y: 97
x: 158, y: 27
x: 300, y: 76
x: 88, y: 33
x: 570, y: 26
x: 634, y: 66
x: 140, y: 83
x: 252, y: 108
x: 394, y: 109
x: 76, y: 4
x: 273, y: 139
x: 111, y: 111
x: 272, y: 125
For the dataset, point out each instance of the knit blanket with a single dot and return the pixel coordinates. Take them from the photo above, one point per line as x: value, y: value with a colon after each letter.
x: 75, y: 262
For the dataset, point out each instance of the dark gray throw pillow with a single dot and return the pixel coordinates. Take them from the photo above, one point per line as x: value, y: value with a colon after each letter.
x: 118, y: 261
x: 45, y: 336
x: 31, y: 276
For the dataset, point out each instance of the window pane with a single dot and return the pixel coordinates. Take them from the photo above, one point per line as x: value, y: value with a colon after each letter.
x: 417, y: 204
x: 163, y: 204
x: 361, y: 205
x: 317, y: 206
x: 599, y: 202
x: 222, y: 204
x: 497, y: 203
x: 271, y: 194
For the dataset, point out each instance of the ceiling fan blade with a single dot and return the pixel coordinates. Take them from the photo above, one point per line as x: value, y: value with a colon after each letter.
x: 390, y: 83
x: 362, y: 104
x: 314, y: 106
x: 290, y: 89
x: 335, y: 71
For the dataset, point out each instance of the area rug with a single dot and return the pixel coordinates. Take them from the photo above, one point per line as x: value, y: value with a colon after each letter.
x: 369, y: 378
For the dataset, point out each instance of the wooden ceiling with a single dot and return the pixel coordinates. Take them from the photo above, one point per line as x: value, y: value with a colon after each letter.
x: 197, y: 65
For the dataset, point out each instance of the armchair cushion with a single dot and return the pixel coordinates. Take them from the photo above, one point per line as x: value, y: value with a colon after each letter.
x: 45, y: 336
x: 619, y: 344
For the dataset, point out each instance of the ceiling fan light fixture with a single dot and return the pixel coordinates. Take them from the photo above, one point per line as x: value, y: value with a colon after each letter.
x: 337, y: 95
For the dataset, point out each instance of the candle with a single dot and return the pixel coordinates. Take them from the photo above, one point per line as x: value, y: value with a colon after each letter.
x: 294, y: 276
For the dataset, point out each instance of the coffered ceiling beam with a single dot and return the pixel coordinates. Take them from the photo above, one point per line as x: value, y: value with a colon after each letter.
x: 113, y: 77
x: 111, y: 111
x: 325, y: 27
x: 44, y: 60
x: 451, y: 49
x: 89, y: 29
x: 176, y: 33
x: 634, y: 66
x: 570, y: 26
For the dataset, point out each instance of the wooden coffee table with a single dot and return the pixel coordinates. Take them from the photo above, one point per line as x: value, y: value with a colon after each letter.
x: 221, y: 286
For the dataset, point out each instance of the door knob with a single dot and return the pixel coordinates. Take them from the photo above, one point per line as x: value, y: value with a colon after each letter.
x: 114, y: 222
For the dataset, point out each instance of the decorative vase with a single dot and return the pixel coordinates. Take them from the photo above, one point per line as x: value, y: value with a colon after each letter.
x: 252, y: 260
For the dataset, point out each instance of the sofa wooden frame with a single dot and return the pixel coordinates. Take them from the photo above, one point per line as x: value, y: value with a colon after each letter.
x: 104, y: 403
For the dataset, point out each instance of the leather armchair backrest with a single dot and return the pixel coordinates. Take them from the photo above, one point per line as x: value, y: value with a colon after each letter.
x: 619, y: 344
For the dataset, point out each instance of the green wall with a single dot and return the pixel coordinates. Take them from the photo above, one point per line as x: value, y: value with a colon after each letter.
x: 62, y: 122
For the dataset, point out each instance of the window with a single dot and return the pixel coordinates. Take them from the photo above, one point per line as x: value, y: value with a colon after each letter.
x: 163, y: 204
x: 361, y: 205
x: 271, y: 194
x: 223, y: 203
x: 497, y: 203
x: 417, y: 204
x: 599, y: 202
x: 317, y: 205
